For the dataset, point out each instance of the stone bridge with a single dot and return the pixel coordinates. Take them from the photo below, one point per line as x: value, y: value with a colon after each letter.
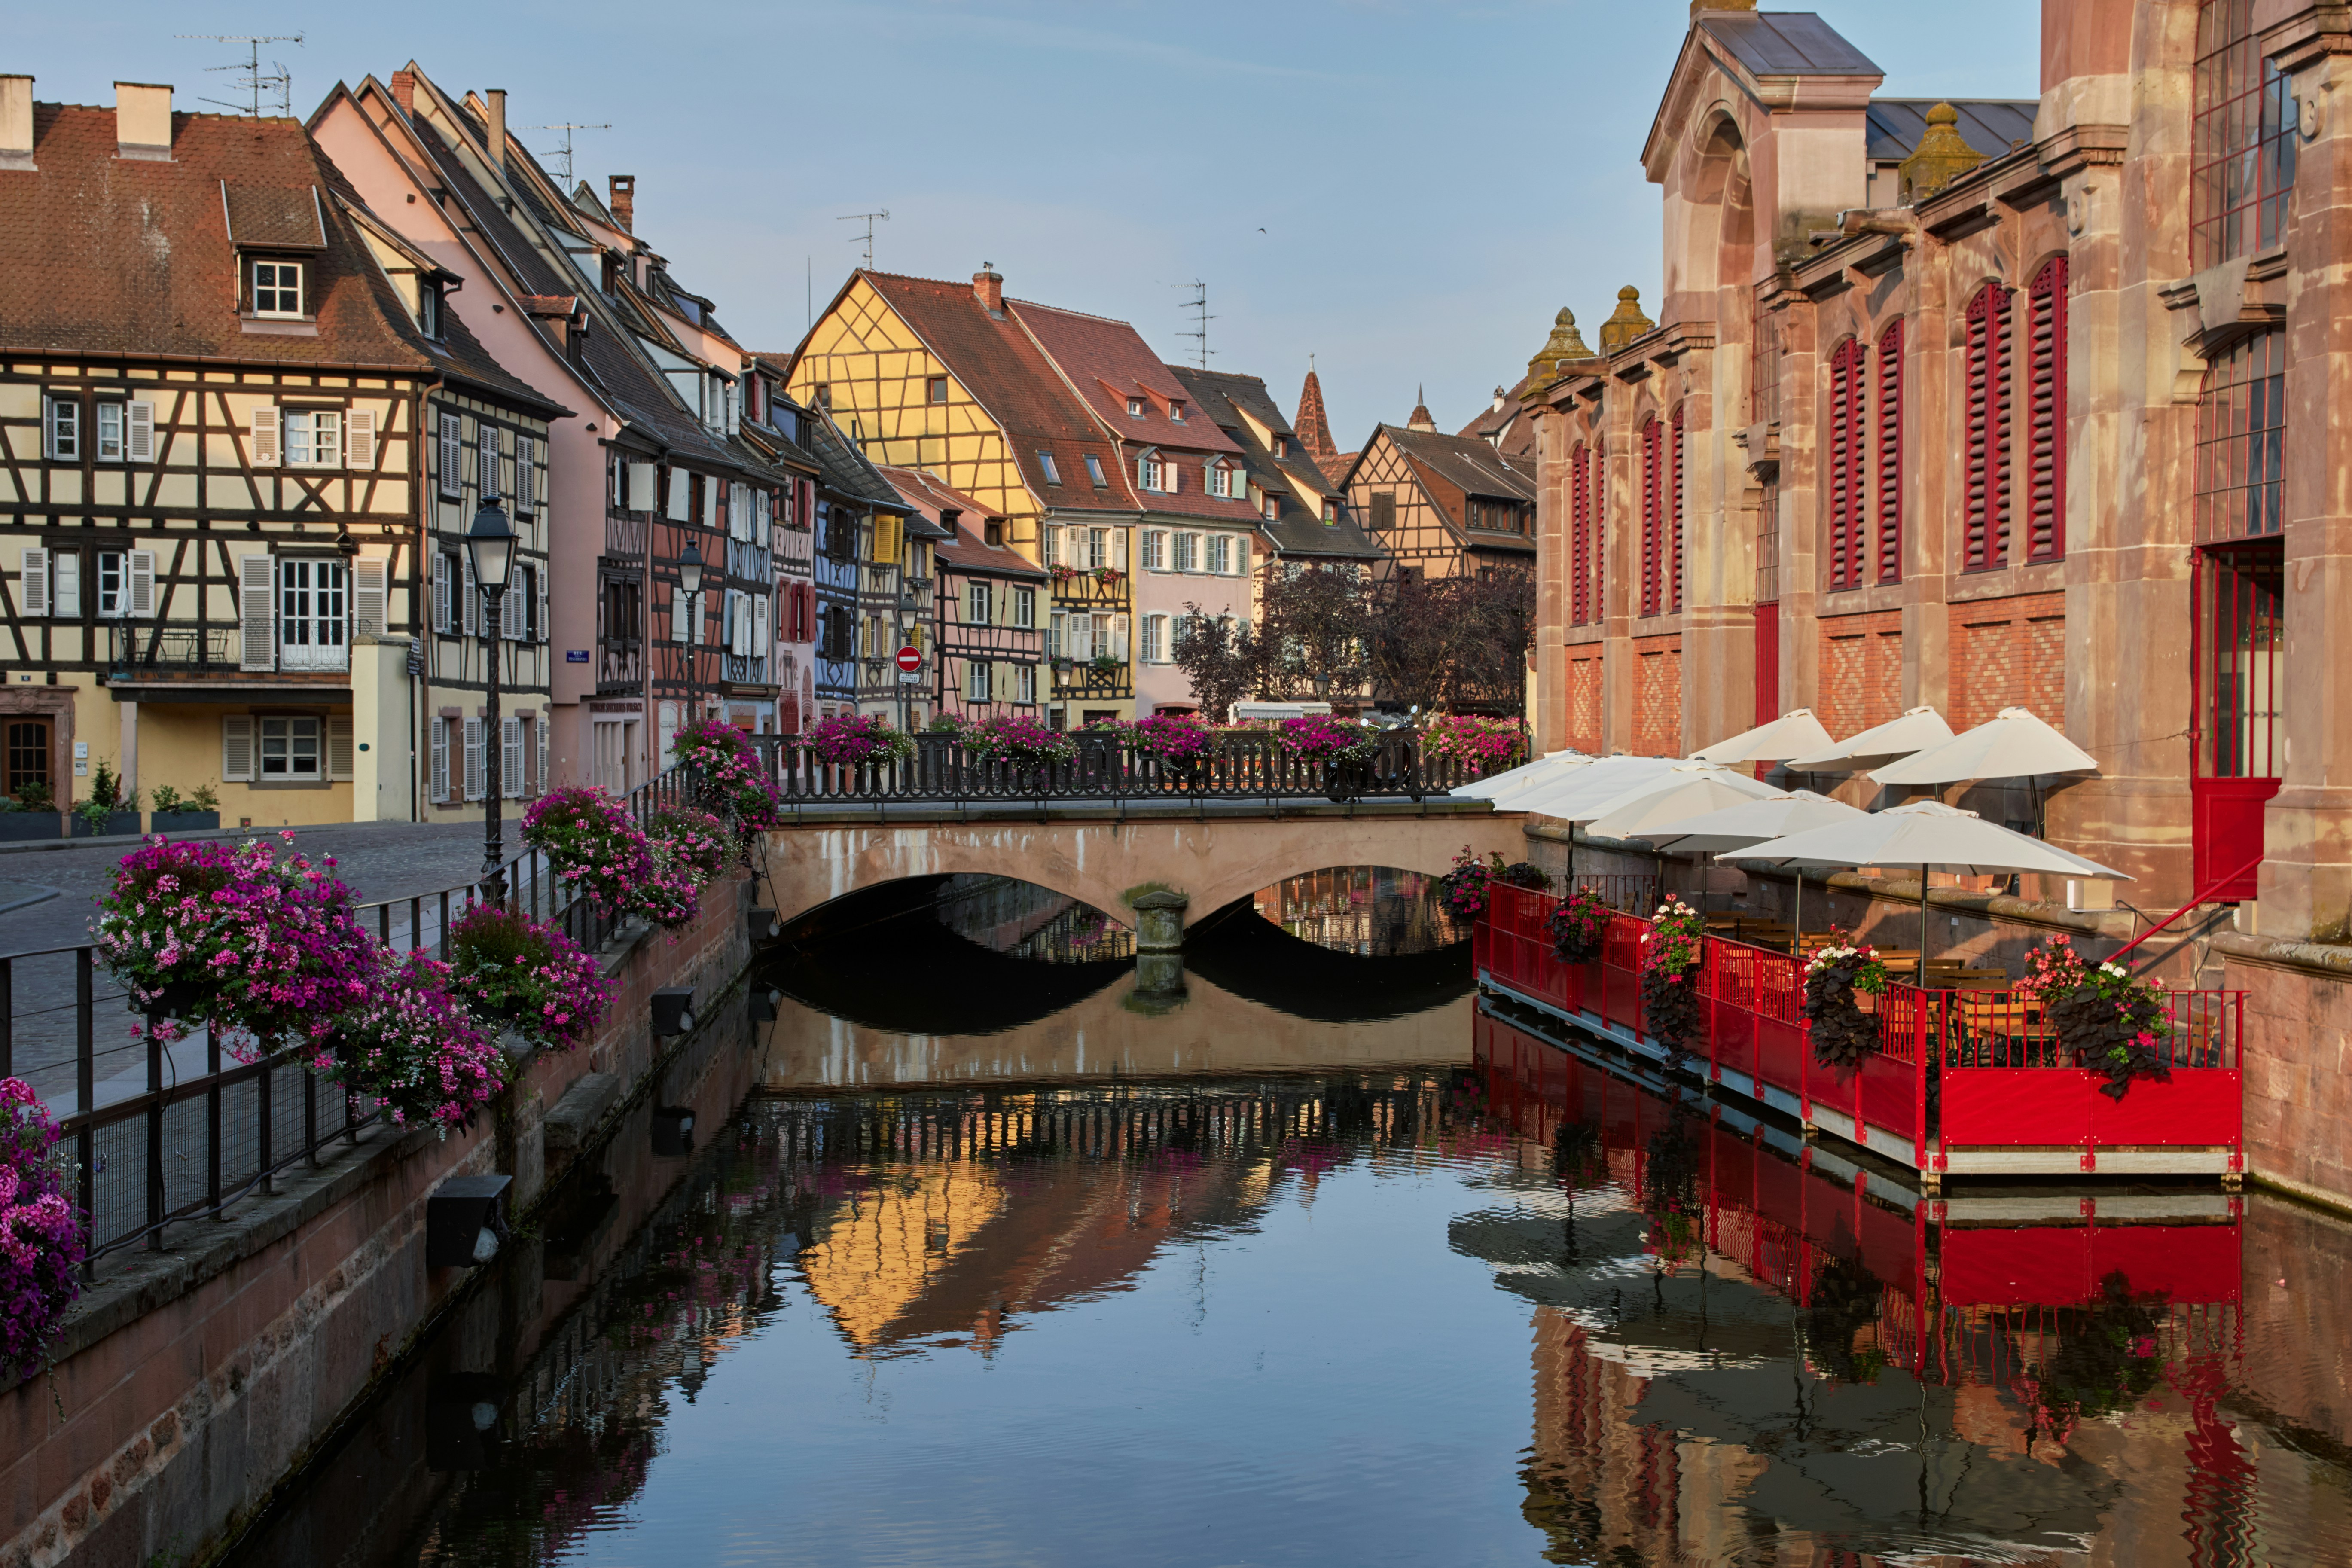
x: 1133, y: 866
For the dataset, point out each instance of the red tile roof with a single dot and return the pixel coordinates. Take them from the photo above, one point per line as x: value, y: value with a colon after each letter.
x: 1312, y: 425
x: 1108, y: 362
x: 969, y: 548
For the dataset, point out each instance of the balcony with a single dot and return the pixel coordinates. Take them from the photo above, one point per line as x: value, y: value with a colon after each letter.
x: 1105, y: 588
x: 1100, y: 680
x: 132, y: 650
x: 744, y: 668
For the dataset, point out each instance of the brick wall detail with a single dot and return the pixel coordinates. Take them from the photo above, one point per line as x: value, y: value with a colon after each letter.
x: 1658, y: 697
x: 2009, y: 653
x: 1584, y: 688
x: 1861, y: 671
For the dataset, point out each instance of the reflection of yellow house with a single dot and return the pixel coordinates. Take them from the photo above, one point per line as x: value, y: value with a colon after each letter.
x: 885, y: 1248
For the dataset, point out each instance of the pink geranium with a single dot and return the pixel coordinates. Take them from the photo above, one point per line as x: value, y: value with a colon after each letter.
x: 41, y: 1245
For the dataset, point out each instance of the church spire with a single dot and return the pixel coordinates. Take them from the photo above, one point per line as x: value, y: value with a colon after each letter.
x: 1313, y: 425
x: 1421, y: 420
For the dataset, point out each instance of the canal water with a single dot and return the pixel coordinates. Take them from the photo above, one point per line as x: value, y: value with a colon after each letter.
x: 982, y: 1252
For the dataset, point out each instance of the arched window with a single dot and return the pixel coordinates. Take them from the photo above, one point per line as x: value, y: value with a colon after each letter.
x: 1653, y: 510
x: 1845, y: 465
x: 1985, y: 543
x: 1584, y: 557
x: 1675, y: 517
x: 2045, y: 413
x: 1890, y: 452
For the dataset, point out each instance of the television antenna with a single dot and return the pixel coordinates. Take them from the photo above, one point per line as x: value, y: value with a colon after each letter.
x: 1199, y: 305
x: 565, y: 153
x: 883, y: 214
x: 254, y: 82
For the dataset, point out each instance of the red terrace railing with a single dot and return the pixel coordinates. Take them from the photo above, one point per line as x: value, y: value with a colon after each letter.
x: 1974, y: 1073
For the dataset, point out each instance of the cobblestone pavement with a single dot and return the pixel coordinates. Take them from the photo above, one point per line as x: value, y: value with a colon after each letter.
x: 379, y: 861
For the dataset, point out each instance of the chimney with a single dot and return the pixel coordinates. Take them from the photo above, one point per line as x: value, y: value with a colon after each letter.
x: 623, y: 201
x: 404, y: 92
x: 498, y: 127
x: 15, y: 122
x: 988, y: 288
x: 142, y: 121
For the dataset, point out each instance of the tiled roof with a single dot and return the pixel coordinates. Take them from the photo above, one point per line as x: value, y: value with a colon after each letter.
x: 1314, y: 425
x: 968, y: 546
x: 1784, y: 43
x: 1988, y: 125
x: 1516, y: 431
x: 848, y: 471
x: 1108, y: 362
x: 130, y: 256
x: 1467, y: 465
x: 1300, y: 530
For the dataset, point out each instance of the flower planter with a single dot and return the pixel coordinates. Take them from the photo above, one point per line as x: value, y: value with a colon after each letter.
x: 117, y: 822
x: 19, y: 826
x: 182, y: 821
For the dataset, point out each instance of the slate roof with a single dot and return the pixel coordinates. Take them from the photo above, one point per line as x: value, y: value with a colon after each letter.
x: 1784, y: 43
x: 1989, y: 125
x: 846, y: 470
x: 965, y: 547
x: 1516, y: 431
x: 1300, y: 530
x: 1466, y: 464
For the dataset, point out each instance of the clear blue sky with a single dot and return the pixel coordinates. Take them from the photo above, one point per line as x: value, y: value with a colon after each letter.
x: 1434, y: 178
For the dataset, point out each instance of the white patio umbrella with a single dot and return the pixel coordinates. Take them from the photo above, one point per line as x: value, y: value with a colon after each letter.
x: 2013, y: 745
x: 1793, y: 734
x: 1599, y: 780
x: 1755, y: 822
x: 1915, y: 731
x: 1640, y: 799
x: 1498, y: 787
x: 1927, y: 833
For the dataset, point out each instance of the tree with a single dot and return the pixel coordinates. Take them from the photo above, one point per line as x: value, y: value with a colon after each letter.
x: 1222, y: 658
x: 1313, y: 627
x: 1450, y: 643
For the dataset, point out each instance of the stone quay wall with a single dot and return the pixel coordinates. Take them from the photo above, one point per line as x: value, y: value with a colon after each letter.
x: 188, y: 1384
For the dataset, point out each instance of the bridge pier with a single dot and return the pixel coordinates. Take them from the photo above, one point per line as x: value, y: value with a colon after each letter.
x: 1160, y: 943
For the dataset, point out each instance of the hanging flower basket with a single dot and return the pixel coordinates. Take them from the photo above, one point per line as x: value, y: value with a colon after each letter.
x: 41, y: 1242
x: 415, y: 1050
x: 1670, y: 972
x: 1579, y: 926
x: 516, y: 973
x: 1843, y: 980
x: 2109, y: 1022
x: 731, y: 776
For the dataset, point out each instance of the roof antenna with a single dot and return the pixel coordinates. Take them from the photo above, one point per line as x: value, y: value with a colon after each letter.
x: 1199, y: 305
x: 254, y: 82
x: 565, y: 151
x: 884, y: 214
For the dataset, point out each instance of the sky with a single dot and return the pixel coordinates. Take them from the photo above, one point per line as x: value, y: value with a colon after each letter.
x: 1403, y: 191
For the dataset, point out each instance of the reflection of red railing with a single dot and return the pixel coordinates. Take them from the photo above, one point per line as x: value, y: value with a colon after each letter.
x: 2011, y: 1098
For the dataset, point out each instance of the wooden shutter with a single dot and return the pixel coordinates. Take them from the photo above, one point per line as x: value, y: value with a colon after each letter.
x: 358, y: 438
x: 1579, y: 536
x: 1890, y: 453
x: 526, y: 485
x: 1652, y: 481
x: 236, y: 749
x: 139, y: 433
x: 1674, y: 514
x: 510, y: 758
x: 264, y: 436
x: 681, y: 497
x: 368, y: 591
x: 545, y: 635
x: 763, y: 633
x: 1004, y: 682
x: 452, y: 459
x: 338, y: 748
x: 33, y: 585
x: 139, y: 566
x: 256, y: 588
x: 486, y: 460
x: 470, y: 594
x: 1843, y: 544
x: 440, y: 747
x: 676, y: 614
x: 2045, y: 418
x: 477, y: 779
x: 442, y: 590
x: 538, y: 778
x: 1986, y: 446
x: 645, y: 487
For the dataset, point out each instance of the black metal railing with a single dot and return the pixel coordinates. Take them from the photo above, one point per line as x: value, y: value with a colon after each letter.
x: 135, y: 646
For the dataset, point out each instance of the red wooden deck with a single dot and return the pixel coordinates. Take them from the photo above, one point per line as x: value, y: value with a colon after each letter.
x: 1962, y: 1082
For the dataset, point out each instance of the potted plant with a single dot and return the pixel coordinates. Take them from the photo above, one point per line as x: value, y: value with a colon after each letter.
x: 1466, y: 889
x: 1178, y: 743
x: 1844, y: 980
x: 41, y: 1242
x: 520, y: 975
x: 1340, y: 750
x: 1106, y: 666
x: 1020, y: 741
x: 2111, y: 1023
x: 590, y: 843
x: 171, y: 812
x: 414, y: 1049
x: 107, y: 810
x: 1670, y: 998
x: 30, y: 814
x: 1578, y: 925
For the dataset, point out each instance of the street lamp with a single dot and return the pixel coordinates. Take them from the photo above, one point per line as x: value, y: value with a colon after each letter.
x: 689, y: 583
x: 490, y: 543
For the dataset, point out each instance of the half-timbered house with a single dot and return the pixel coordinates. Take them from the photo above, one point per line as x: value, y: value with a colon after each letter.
x: 1443, y: 506
x: 863, y: 619
x: 989, y: 634
x: 222, y: 461
x: 778, y: 428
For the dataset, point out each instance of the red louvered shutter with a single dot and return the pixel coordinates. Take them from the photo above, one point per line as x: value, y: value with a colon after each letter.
x: 1986, y: 539
x: 1580, y: 539
x: 1845, y: 466
x: 1890, y: 453
x: 1652, y: 458
x: 1675, y: 517
x: 2045, y: 418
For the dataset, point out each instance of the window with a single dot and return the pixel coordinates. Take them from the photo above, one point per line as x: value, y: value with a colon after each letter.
x: 1155, y: 639
x: 1057, y: 636
x: 64, y: 585
x: 1024, y: 608
x: 1330, y: 510
x: 2240, y: 433
x: 1134, y: 408
x: 1674, y: 514
x: 1188, y: 553
x: 2242, y: 128
x: 486, y: 461
x: 1221, y: 554
x: 1053, y: 475
x: 1281, y: 445
x: 1098, y: 549
x: 2045, y: 413
x: 2244, y: 587
x: 939, y: 389
x: 65, y: 429
x: 313, y: 437
x: 1985, y: 449
x: 976, y: 681
x: 823, y: 395
x: 290, y: 749
x: 1176, y: 410
x: 976, y: 604
x: 1155, y: 550
x: 28, y: 755
x: 1384, y: 512
x: 1027, y: 685
x: 1890, y: 453
x: 276, y: 288
x: 1583, y: 541
x: 110, y: 432
x: 1273, y: 512
x: 428, y: 310
x: 310, y: 613
x: 1095, y: 472
x: 1847, y: 383
x: 523, y: 604
x: 126, y: 584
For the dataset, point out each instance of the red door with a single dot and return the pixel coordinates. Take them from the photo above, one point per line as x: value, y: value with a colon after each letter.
x: 2228, y: 824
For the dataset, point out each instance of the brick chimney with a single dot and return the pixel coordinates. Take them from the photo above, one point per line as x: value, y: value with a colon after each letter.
x: 498, y: 127
x: 15, y: 122
x: 404, y: 92
x: 623, y: 202
x: 988, y: 288
x: 142, y: 121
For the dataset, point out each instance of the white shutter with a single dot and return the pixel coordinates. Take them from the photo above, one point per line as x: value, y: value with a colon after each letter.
x: 712, y: 493
x: 470, y: 595
x: 486, y: 460
x: 1118, y: 548
x: 453, y: 455
x: 33, y: 589
x: 645, y: 487
x: 358, y: 438
x: 763, y: 635
x: 440, y: 759
x: 509, y: 625
x: 1003, y: 680
x: 538, y: 779
x: 442, y: 589
x: 367, y: 597
x: 1118, y: 637
x: 264, y: 436
x: 740, y: 643
x: 476, y: 781
x: 526, y: 478
x: 236, y: 749
x: 762, y: 505
x: 677, y: 608
x: 142, y: 585
x: 256, y: 592
x: 338, y: 748
x: 510, y: 758
x: 139, y: 439
x: 681, y: 503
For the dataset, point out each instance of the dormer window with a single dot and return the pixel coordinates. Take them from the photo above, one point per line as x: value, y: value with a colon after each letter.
x: 1095, y: 472
x: 1134, y: 408
x: 1176, y: 411
x: 1330, y: 510
x: 1053, y: 474
x: 428, y: 310
x: 1280, y: 448
x: 277, y: 289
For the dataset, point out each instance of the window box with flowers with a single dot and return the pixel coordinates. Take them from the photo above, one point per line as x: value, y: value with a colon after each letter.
x: 1179, y: 743
x: 1482, y: 745
x: 2108, y: 1022
x: 1843, y: 980
x: 1019, y: 742
x: 1340, y: 750
x: 857, y: 740
x: 593, y: 845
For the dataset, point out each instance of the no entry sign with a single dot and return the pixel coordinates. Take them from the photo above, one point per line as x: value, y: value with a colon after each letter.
x: 911, y: 659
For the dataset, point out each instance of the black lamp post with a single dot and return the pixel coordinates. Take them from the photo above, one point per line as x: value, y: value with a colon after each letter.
x: 689, y: 583
x: 491, y: 544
